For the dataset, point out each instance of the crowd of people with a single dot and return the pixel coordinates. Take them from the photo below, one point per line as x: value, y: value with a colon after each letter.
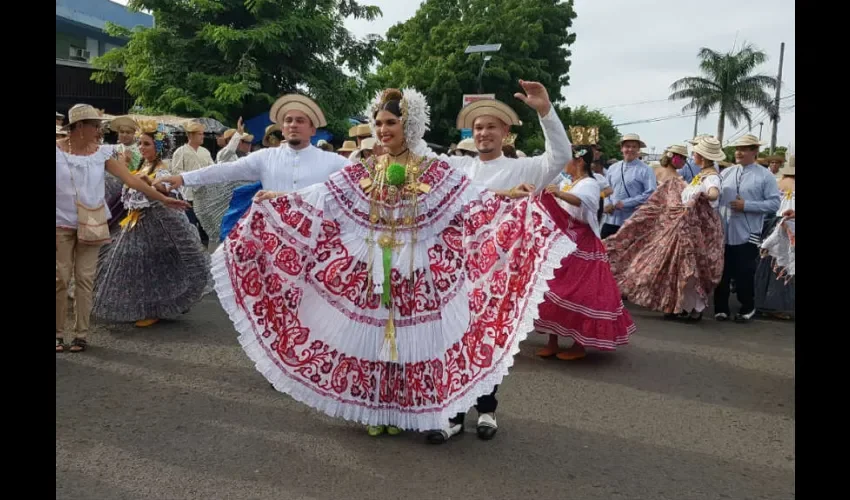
x: 439, y: 265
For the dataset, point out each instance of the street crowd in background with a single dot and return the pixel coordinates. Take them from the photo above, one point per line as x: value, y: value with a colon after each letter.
x: 439, y: 265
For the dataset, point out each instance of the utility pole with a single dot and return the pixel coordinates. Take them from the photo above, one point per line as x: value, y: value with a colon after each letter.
x: 696, y: 123
x: 775, y: 116
x: 761, y: 126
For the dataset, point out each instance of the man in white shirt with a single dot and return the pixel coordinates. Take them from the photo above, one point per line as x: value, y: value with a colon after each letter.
x: 233, y: 146
x: 294, y: 165
x: 188, y: 158
x: 490, y: 121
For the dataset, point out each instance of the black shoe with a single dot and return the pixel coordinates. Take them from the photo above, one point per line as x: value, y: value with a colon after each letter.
x: 487, y: 427
x: 694, y: 319
x: 745, y: 317
x: 440, y: 436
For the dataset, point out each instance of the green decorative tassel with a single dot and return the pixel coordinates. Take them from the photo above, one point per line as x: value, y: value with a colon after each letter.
x: 386, y: 298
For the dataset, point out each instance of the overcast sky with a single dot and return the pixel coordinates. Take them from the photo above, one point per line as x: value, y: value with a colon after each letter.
x: 629, y: 52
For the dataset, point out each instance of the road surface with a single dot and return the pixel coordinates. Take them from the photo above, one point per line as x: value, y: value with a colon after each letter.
x: 177, y: 411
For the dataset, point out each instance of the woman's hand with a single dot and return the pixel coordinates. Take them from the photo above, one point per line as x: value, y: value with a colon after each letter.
x: 521, y: 191
x: 175, y: 203
x: 264, y: 195
x: 609, y: 209
x: 552, y: 189
x: 174, y: 181
x: 789, y: 214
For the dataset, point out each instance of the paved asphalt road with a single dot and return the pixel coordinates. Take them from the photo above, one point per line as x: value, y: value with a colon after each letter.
x: 684, y: 412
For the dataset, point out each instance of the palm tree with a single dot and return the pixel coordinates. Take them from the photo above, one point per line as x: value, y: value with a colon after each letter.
x: 728, y: 85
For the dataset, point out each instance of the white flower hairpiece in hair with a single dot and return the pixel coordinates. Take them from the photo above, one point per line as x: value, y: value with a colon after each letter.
x: 669, y: 154
x: 579, y: 153
x: 417, y: 116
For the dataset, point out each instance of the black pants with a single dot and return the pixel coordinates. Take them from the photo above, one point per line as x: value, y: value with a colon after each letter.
x: 740, y: 262
x: 485, y: 404
x: 193, y: 219
x: 607, y: 230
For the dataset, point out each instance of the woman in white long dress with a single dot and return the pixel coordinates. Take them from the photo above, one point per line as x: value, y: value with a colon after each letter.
x: 395, y: 293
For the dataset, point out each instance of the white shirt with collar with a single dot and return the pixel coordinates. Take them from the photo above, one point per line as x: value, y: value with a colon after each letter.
x: 279, y: 169
x: 506, y: 173
x: 188, y: 159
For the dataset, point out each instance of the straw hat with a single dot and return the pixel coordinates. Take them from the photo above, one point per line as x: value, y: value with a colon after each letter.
x: 790, y: 168
x: 748, y: 140
x: 122, y: 121
x: 59, y: 115
x: 247, y: 138
x: 363, y: 130
x: 677, y: 149
x: 81, y: 112
x: 228, y: 134
x: 520, y: 154
x: 274, y: 127
x: 60, y: 131
x: 193, y: 126
x: 631, y: 137
x: 486, y: 107
x: 368, y: 143
x: 347, y: 147
x: 775, y: 158
x: 709, y: 148
x: 297, y: 102
x: 695, y: 140
x: 467, y: 145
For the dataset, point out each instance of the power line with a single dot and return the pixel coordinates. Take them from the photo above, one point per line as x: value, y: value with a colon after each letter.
x: 762, y: 115
x: 740, y: 132
x: 678, y: 116
x: 633, y: 103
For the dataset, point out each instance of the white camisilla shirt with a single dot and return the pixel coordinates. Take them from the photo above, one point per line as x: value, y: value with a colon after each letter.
x: 279, y: 169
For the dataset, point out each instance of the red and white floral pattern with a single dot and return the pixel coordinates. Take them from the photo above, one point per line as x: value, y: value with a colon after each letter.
x: 293, y: 276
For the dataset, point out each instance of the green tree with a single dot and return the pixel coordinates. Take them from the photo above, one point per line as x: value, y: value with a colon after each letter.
x: 728, y: 85
x: 229, y: 58
x: 779, y: 151
x: 427, y: 52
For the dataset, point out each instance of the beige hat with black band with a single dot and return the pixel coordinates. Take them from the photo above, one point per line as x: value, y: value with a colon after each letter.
x: 122, y: 121
x: 487, y: 107
x: 82, y: 112
x: 297, y: 102
x: 747, y: 140
x: 709, y: 148
x: 632, y: 137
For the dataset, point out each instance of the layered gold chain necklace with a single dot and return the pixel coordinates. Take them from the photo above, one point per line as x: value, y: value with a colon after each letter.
x: 393, y: 188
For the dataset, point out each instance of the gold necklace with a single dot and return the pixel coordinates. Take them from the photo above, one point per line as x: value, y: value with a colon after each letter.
x: 384, y: 199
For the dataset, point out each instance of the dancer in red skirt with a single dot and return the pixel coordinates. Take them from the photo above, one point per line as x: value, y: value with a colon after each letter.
x: 583, y: 301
